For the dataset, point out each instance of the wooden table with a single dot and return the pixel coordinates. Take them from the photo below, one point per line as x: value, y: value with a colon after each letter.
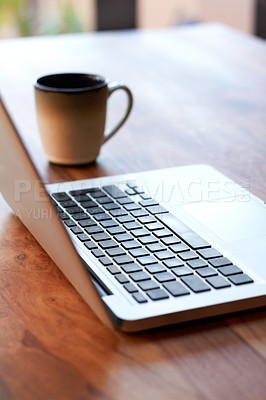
x: 200, y: 97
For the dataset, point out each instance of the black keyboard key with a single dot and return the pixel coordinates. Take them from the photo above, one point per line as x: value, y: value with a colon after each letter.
x: 148, y: 285
x: 129, y: 268
x: 87, y: 222
x: 176, y: 288
x: 108, y: 244
x: 123, y: 259
x: 173, y: 262
x: 183, y: 231
x: 105, y: 261
x: 102, y: 217
x: 139, y: 276
x: 139, y: 297
x: 108, y: 223
x: 157, y: 294
x: 170, y: 240
x: 125, y: 200
x: 206, y: 272
x: 69, y: 223
x: 147, y: 260
x: 78, y: 192
x: 91, y: 230
x: 148, y: 203
x: 164, y: 255
x: 121, y: 278
x: 218, y: 282
x: 96, y: 193
x: 114, y: 191
x: 230, y: 270
x: 139, y: 252
x: 148, y: 240
x: 132, y: 207
x: 76, y: 230
x: 61, y: 196
x: 74, y: 210
x: 147, y: 219
x: 209, y: 253
x: 155, y: 268
x: 125, y: 218
x: 63, y: 216
x: 68, y: 203
x: 82, y: 197
x: 132, y: 225
x: 240, y: 279
x: 130, y: 288
x: 182, y: 271
x: 95, y: 210
x: 130, y: 244
x: 118, y: 213
x: 187, y: 255
x: 113, y: 269
x: 98, y: 237
x: 139, y: 213
x: 219, y: 262
x: 154, y: 210
x: 89, y: 204
x: 81, y: 216
x: 123, y: 237
x: 104, y: 200
x: 98, y: 253
x: 164, y: 277
x: 113, y: 251
x: 90, y: 245
x: 156, y: 247
x: 140, y: 232
x: 195, y: 283
x: 111, y: 206
x: 83, y: 237
x: 197, y: 263
x: 179, y: 247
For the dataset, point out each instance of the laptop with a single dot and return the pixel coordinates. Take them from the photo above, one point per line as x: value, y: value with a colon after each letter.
x: 144, y: 249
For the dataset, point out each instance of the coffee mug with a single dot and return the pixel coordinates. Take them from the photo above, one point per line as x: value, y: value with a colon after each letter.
x: 71, y: 114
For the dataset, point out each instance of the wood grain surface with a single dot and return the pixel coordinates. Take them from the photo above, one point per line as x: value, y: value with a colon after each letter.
x: 199, y: 97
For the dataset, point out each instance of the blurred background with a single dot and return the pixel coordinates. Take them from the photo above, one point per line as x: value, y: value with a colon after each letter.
x: 41, y: 17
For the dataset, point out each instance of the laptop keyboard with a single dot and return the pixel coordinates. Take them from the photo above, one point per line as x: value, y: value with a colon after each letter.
x: 144, y: 247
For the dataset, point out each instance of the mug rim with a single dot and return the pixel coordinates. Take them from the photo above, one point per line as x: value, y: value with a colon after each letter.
x: 46, y: 88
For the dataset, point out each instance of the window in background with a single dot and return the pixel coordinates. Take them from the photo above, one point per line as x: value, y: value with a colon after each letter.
x: 40, y: 17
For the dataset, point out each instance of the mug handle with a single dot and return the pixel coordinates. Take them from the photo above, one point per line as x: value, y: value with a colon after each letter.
x: 112, y: 87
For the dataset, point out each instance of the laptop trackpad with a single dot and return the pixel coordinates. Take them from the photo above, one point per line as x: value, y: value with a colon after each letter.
x: 233, y: 219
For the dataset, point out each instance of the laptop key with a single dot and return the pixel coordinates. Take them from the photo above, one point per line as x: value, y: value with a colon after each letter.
x: 164, y: 255
x: 76, y: 230
x: 105, y: 261
x: 132, y: 207
x: 148, y: 285
x: 102, y: 217
x: 148, y: 203
x: 108, y: 223
x: 118, y: 213
x: 139, y: 297
x: 114, y: 191
x: 69, y: 222
x: 157, y: 294
x: 140, y: 232
x: 219, y: 262
x: 218, y: 282
x: 209, y: 253
x: 147, y: 219
x: 147, y: 260
x: 125, y: 218
x: 131, y: 288
x: 121, y: 278
x: 125, y: 200
x: 91, y: 230
x: 74, y: 210
x: 206, y: 272
x: 95, y: 210
x: 157, y: 210
x: 98, y: 253
x: 182, y: 271
x: 230, y: 270
x: 132, y: 225
x: 104, y: 200
x: 161, y: 233
x: 79, y: 217
x: 148, y: 239
x: 90, y: 245
x: 96, y: 193
x: 153, y: 226
x: 108, y: 244
x: 113, y: 251
x: 98, y: 237
x: 83, y: 237
x: 130, y: 244
x: 129, y: 268
x: 196, y: 284
x: 87, y: 222
x: 139, y: 252
x: 240, y: 279
x: 113, y: 269
x: 156, y: 247
x: 139, y: 213
x: 197, y: 263
x: 176, y: 288
x: 123, y: 259
x: 82, y: 197
x: 61, y: 196
x: 68, y: 203
x: 111, y: 206
x: 89, y: 204
x: 179, y: 247
x: 187, y: 255
x: 155, y: 268
x: 173, y: 262
x: 139, y: 276
x: 164, y: 277
x: 63, y: 216
x: 170, y: 240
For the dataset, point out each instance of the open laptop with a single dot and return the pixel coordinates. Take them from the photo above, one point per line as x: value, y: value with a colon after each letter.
x: 144, y: 249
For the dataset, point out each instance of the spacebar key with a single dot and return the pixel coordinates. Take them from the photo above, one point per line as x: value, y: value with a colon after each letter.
x: 183, y: 231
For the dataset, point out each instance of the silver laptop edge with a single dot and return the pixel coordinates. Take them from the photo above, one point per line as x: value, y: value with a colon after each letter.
x: 195, y: 193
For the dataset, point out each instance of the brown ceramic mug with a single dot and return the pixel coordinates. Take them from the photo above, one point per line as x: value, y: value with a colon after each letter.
x: 71, y: 113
